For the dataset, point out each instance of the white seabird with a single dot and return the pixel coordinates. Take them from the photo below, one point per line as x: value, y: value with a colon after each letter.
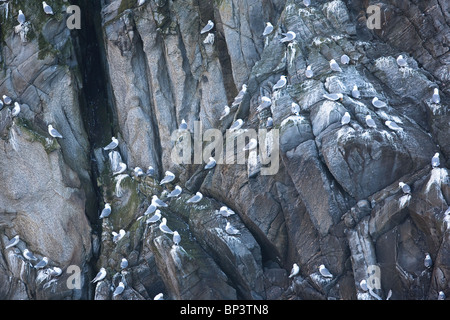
x: 334, y: 66
x: 441, y: 295
x: 427, y: 261
x: 324, y: 271
x: 100, y: 275
x: 7, y: 100
x: 240, y: 96
x: 377, y: 103
x: 307, y: 3
x: 196, y: 198
x: 251, y: 145
x: 169, y: 177
x: 208, y: 27
x: 47, y: 8
x: 16, y: 109
x: 118, y: 236
x: 106, y: 211
x: 150, y: 171
x: 158, y: 202
x: 405, y: 188
x: 138, y: 172
x: 175, y: 192
x: 112, y: 145
x: 176, y: 238
x: 363, y: 285
x: 265, y: 103
x: 345, y: 118
x: 53, y: 132
x: 294, y: 271
x: 183, y: 125
x: 123, y: 263
x: 163, y: 226
x: 401, y: 61
x: 288, y: 36
x: 308, y: 72
x: 119, y: 290
x: 435, y: 160
x: 355, y: 92
x: 268, y: 29
x: 224, y: 211
x: 41, y: 264
x: 211, y: 163
x: 436, y: 98
x: 154, y: 218
x: 225, y: 112
x: 159, y: 296
x: 55, y: 271
x: 29, y: 255
x: 21, y: 17
x: 269, y: 123
x: 236, y: 125
x: 393, y: 125
x: 11, y: 243
x: 345, y: 59
x: 370, y: 122
x: 230, y: 229
x: 280, y: 83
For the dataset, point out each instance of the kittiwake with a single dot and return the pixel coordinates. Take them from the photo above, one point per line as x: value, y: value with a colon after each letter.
x: 41, y: 264
x: 377, y: 103
x: 308, y: 72
x: 21, y: 17
x: 345, y: 118
x: 436, y: 98
x: 106, y: 211
x: 208, y: 27
x: 294, y: 271
x: 251, y: 145
x: 289, y: 36
x: 169, y: 177
x: 163, y: 226
x: 427, y: 261
x: 176, y: 238
x: 268, y: 29
x: 47, y: 8
x: 211, y: 163
x: 393, y: 125
x: 29, y: 255
x: 196, y: 198
x: 334, y: 66
x: 345, y: 59
x: 175, y: 192
x: 123, y: 263
x: 355, y: 92
x: 370, y: 122
x: 119, y: 290
x: 225, y: 112
x: 53, y: 132
x: 118, y: 236
x: 230, y: 229
x: 112, y: 145
x: 236, y: 125
x: 224, y: 211
x: 12, y: 242
x: 155, y: 218
x: 100, y: 275
x: 401, y: 61
x: 324, y: 271
x: 405, y: 188
x: 280, y: 83
x: 435, y: 160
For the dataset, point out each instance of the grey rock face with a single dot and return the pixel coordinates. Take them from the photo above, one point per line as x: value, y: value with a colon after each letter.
x: 334, y: 199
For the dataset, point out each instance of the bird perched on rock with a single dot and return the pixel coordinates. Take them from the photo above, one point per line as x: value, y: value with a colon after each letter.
x: 7, y: 100
x: 405, y: 188
x: 106, y: 211
x: 118, y: 236
x: 196, y: 198
x: 334, y: 66
x: 294, y: 271
x: 325, y: 272
x: 123, y: 263
x: 21, y: 17
x: 236, y: 125
x: 268, y: 29
x: 393, y: 125
x: 164, y: 228
x: 121, y: 167
x: 345, y: 118
x: 251, y: 144
x: 41, y: 264
x: 155, y: 218
x: 208, y: 27
x: 29, y: 255
x: 211, y: 164
x: 47, y: 8
x: 16, y: 109
x: 176, y: 238
x: 377, y: 103
x: 288, y: 36
x: 112, y: 145
x: 53, y: 132
x: 225, y: 112
x: 345, y: 59
x: 370, y: 122
x: 224, y: 211
x: 435, y: 97
x: 12, y: 242
x: 427, y: 261
x: 401, y: 61
x: 280, y: 83
x: 100, y: 275
x: 355, y: 92
x: 175, y: 192
x: 308, y: 72
x: 119, y: 290
x: 169, y: 177
x: 183, y: 125
x: 435, y: 160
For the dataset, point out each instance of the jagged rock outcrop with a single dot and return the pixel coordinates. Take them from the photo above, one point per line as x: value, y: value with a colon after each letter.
x: 327, y: 193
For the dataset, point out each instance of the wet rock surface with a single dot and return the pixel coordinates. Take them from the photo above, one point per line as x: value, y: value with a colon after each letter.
x: 333, y: 197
